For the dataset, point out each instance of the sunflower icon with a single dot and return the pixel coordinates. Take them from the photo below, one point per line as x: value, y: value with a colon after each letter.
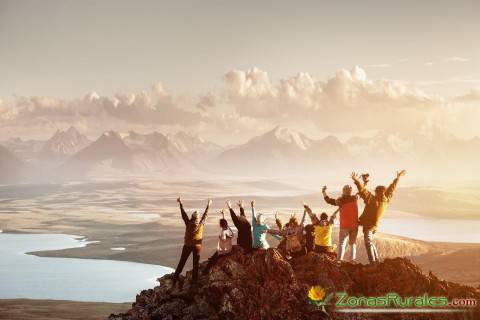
x: 316, y: 293
x: 318, y: 297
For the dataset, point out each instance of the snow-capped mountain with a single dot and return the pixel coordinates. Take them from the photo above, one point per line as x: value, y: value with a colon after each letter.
x: 154, y: 152
x: 278, y: 151
x: 193, y: 146
x: 63, y: 144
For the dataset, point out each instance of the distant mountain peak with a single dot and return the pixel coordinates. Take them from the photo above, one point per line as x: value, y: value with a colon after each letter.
x: 64, y: 143
x: 288, y: 136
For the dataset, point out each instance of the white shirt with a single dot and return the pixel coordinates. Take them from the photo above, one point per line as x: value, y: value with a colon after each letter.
x: 224, y: 245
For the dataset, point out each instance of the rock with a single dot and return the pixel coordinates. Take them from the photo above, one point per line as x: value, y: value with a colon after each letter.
x: 264, y: 285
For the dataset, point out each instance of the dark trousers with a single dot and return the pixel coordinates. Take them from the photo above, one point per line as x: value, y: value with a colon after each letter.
x: 309, y: 237
x: 195, y: 250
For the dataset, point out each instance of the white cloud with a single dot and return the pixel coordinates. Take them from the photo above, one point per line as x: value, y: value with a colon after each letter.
x: 249, y: 103
x: 428, y: 64
x: 456, y: 59
x: 206, y: 101
x: 95, y: 113
x: 472, y: 96
x: 347, y: 101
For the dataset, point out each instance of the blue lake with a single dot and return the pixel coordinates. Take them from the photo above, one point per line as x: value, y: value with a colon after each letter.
x: 27, y: 276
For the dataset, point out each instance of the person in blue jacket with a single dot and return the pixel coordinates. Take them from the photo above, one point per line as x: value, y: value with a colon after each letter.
x: 259, y: 228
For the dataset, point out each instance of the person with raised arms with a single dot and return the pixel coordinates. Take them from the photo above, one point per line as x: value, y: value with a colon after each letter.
x: 260, y: 229
x: 375, y: 206
x: 244, y: 239
x: 224, y: 244
x: 348, y: 208
x: 192, y: 241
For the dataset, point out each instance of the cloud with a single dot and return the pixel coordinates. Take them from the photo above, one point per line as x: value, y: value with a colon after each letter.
x: 155, y: 107
x: 472, y: 96
x: 347, y: 101
x: 249, y: 103
x: 428, y: 64
x: 206, y: 101
x: 456, y: 59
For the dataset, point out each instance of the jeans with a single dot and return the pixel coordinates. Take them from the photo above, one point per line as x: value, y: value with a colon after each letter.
x: 369, y: 239
x: 195, y: 250
x: 351, y: 234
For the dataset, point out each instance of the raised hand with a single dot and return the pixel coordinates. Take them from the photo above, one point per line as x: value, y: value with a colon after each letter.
x: 179, y: 200
x: 209, y: 202
x: 354, y: 176
x: 229, y: 204
x: 240, y: 203
x: 401, y: 173
x: 252, y: 203
x: 324, y: 188
x: 276, y: 215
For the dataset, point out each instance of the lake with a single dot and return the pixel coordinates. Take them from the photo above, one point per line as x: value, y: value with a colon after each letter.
x: 27, y: 276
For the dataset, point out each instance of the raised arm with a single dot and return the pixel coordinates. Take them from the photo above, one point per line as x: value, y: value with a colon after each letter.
x: 254, y: 217
x: 205, y: 213
x: 333, y: 217
x: 327, y: 199
x: 391, y: 188
x: 313, y: 218
x: 274, y: 233
x: 278, y: 221
x: 302, y: 223
x: 362, y: 190
x: 184, y: 214
x: 242, y: 210
x: 232, y: 214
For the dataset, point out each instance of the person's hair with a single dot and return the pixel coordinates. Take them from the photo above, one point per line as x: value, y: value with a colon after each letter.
x: 194, y: 215
x: 260, y: 218
x: 223, y: 223
x: 293, y: 222
x: 347, y: 190
x: 380, y: 189
x: 323, y: 216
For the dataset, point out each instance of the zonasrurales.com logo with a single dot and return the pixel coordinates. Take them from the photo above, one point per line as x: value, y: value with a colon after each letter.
x: 391, y: 302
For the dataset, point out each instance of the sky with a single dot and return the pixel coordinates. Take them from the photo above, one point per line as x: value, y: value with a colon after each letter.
x: 201, y: 65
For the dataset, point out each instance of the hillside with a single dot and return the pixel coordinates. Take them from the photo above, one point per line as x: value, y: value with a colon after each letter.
x: 264, y: 285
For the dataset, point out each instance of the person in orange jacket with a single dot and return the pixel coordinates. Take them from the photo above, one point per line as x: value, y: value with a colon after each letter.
x: 348, y: 208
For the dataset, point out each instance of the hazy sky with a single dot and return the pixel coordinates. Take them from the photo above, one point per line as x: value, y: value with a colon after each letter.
x: 65, y: 49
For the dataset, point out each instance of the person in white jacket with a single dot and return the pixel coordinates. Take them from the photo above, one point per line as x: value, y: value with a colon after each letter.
x: 224, y: 244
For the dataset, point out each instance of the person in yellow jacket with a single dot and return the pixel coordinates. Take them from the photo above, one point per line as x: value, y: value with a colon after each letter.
x: 375, y: 206
x: 323, y: 228
x: 192, y: 241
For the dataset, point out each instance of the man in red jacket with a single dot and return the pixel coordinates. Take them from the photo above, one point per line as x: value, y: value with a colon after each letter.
x: 347, y: 204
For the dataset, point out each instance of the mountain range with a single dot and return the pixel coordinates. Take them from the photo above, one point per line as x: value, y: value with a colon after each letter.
x: 278, y: 152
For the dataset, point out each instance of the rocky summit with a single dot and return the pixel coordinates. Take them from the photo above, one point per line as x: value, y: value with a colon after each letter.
x: 265, y: 285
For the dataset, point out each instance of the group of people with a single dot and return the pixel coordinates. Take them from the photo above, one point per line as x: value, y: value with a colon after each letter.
x: 295, y: 237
